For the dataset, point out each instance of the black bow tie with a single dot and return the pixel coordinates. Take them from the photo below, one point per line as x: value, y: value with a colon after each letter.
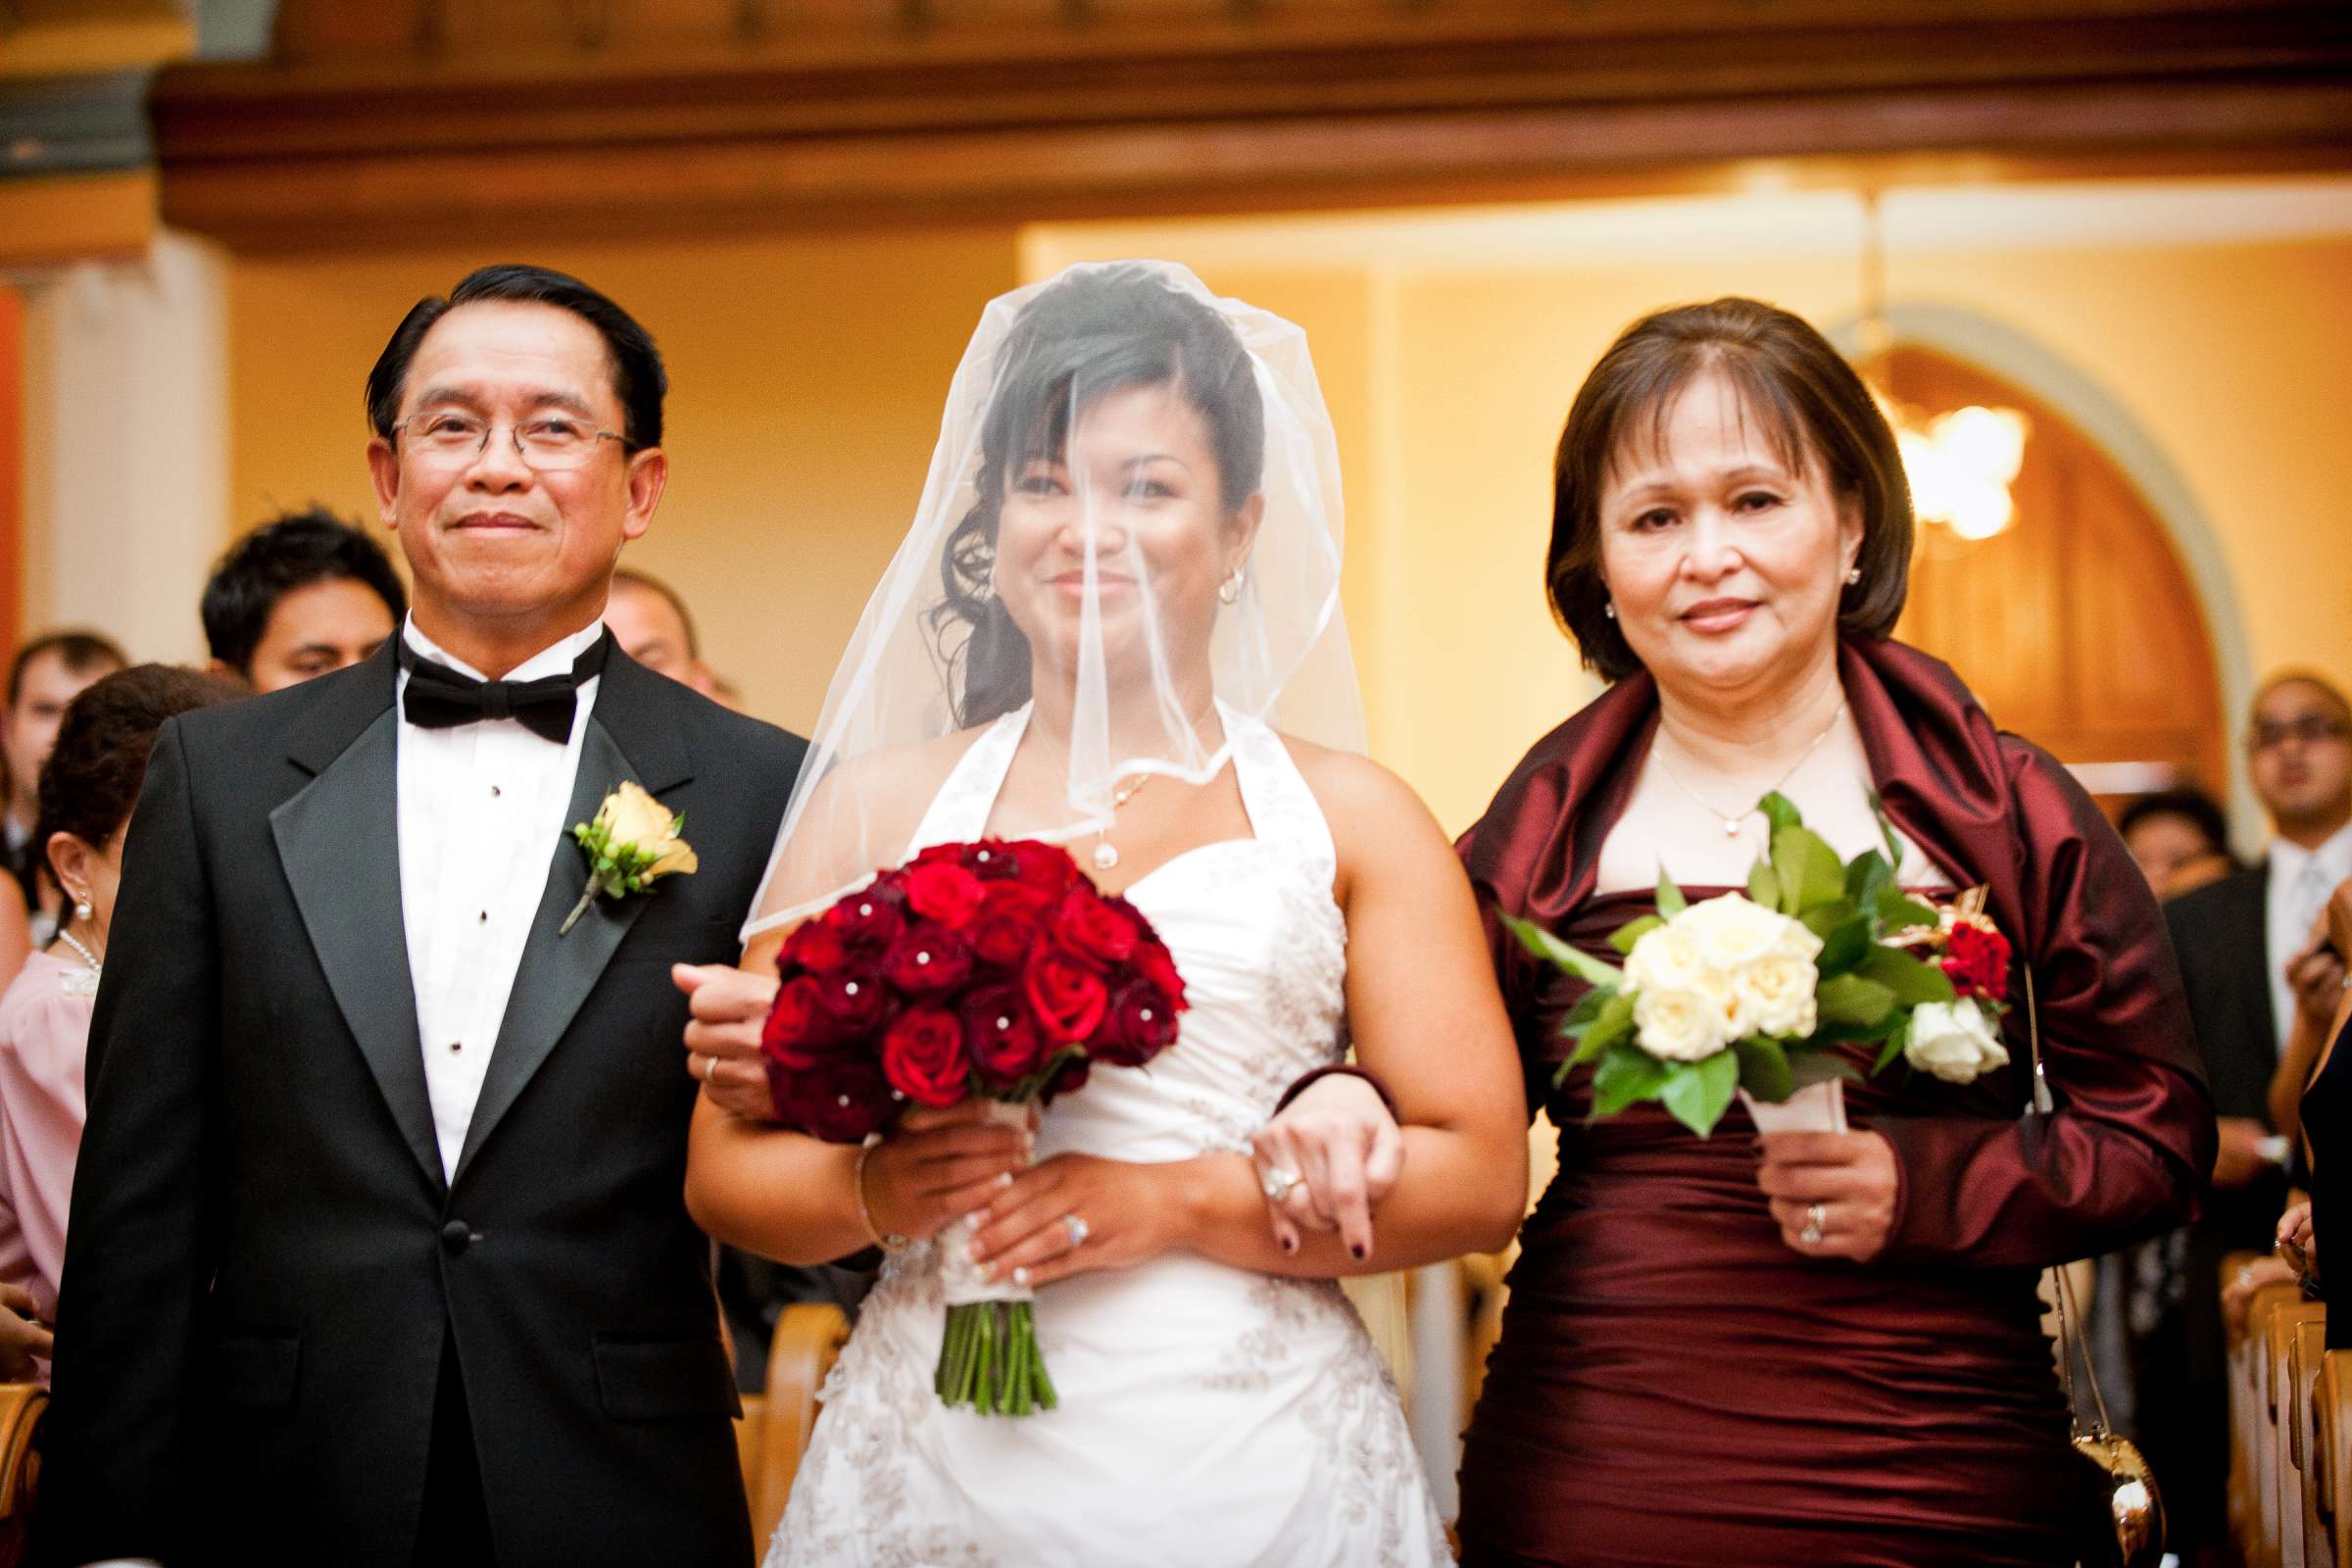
x: 441, y: 698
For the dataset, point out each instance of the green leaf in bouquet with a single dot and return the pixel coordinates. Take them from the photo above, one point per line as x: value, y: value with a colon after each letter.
x: 1634, y: 931
x: 1588, y: 1008
x: 1764, y: 885
x: 1612, y: 1023
x: 1897, y: 1039
x: 1847, y: 944
x: 1866, y: 877
x: 1856, y: 1000
x: 1886, y: 832
x: 1627, y: 1073
x: 1899, y: 913
x: 1809, y: 871
x: 1764, y: 1070
x: 1697, y: 1094
x: 1823, y: 918
x: 1551, y: 949
x: 1671, y: 902
x: 1911, y: 980
x: 1780, y: 811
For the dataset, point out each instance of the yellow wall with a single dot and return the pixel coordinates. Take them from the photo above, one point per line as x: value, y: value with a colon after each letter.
x: 809, y: 376
x: 806, y: 378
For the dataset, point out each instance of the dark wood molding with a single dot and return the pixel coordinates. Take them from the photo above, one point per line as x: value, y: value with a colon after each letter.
x: 1339, y: 104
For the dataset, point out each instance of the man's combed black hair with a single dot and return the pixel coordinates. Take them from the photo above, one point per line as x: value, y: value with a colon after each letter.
x: 289, y: 552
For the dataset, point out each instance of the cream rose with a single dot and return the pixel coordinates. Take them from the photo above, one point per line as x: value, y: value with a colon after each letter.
x: 1776, y: 995
x: 1954, y: 1040
x: 1731, y: 933
x: 1665, y: 959
x: 1679, y: 1025
x: 632, y: 818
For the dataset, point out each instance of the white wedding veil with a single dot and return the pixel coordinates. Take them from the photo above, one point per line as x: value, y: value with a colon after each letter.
x: 1132, y: 524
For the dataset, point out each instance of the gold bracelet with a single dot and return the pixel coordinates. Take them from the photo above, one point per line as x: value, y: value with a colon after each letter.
x: 866, y: 1216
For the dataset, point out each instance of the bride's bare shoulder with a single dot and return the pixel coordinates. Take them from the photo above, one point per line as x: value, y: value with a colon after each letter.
x: 1355, y: 792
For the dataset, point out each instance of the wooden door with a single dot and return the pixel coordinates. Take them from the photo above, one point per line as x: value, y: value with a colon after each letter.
x: 2078, y: 626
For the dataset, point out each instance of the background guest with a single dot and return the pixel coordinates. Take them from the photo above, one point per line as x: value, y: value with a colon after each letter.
x: 2179, y: 838
x: 87, y: 792
x: 652, y: 624
x: 2234, y: 938
x: 49, y: 672
x: 303, y: 594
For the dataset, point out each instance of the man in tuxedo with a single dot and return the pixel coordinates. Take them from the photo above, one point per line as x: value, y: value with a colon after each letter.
x: 378, y: 1253
x: 2235, y: 939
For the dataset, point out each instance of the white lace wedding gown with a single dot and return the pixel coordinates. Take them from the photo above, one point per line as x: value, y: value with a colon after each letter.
x: 1210, y: 1417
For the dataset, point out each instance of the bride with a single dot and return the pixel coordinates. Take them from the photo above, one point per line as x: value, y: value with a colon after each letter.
x: 1115, y: 624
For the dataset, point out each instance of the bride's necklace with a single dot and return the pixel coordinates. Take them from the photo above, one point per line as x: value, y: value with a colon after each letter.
x: 1107, y: 854
x: 1731, y: 823
x: 85, y: 983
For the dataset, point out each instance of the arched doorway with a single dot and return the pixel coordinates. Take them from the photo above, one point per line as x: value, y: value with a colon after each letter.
x: 2079, y: 625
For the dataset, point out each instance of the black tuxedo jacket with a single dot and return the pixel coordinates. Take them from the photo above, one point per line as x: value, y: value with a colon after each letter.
x: 2220, y: 936
x: 263, y: 1256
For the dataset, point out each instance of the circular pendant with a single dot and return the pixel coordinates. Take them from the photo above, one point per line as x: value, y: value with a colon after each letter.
x: 1730, y: 829
x: 1105, y: 855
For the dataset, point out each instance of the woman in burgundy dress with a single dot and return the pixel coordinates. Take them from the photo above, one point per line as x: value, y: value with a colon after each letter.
x: 1817, y: 1347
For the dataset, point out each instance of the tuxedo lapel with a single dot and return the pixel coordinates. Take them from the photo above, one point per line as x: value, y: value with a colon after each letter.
x: 338, y: 841
x: 629, y: 737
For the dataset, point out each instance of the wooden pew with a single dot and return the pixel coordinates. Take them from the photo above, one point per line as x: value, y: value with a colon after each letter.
x: 2305, y: 1354
x: 774, y: 1430
x: 22, y: 1407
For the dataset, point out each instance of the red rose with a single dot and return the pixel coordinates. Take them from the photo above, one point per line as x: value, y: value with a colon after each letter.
x: 1141, y: 1023
x: 926, y: 959
x: 938, y: 854
x: 1067, y: 997
x: 840, y: 1097
x: 1090, y: 930
x: 1007, y: 924
x: 799, y: 1026
x: 816, y: 947
x: 991, y: 860
x: 855, y: 1000
x: 922, y: 1055
x: 1004, y: 1042
x: 1155, y: 964
x: 1977, y: 961
x: 948, y: 894
x: 1046, y: 869
x: 868, y: 918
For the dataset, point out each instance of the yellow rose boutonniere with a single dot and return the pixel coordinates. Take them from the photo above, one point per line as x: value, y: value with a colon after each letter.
x: 632, y: 844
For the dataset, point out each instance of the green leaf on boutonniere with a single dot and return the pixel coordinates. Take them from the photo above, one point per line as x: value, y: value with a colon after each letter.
x: 1632, y: 932
x: 1780, y: 811
x: 1764, y: 1070
x: 1697, y: 1094
x: 1614, y: 1022
x: 1845, y: 945
x: 1910, y: 980
x: 1810, y: 872
x: 1543, y: 944
x: 1627, y: 1073
x: 1764, y: 885
x: 1671, y: 902
x: 1855, y: 999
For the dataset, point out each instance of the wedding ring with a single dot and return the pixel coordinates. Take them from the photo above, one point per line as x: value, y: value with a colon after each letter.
x: 709, y: 1070
x: 1815, y: 1217
x: 1278, y: 1183
x: 1076, y: 1225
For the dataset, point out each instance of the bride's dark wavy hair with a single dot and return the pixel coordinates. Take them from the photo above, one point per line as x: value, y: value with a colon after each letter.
x: 1095, y: 333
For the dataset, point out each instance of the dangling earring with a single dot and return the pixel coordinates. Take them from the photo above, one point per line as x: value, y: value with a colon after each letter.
x: 1228, y: 591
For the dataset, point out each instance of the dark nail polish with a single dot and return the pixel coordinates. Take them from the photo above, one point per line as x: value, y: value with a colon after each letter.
x: 1290, y: 1243
x: 1357, y: 1249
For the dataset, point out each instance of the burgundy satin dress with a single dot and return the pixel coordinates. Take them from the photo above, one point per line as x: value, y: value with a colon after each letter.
x: 1674, y: 1383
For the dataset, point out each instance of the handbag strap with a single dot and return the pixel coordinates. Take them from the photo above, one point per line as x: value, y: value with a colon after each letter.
x: 2069, y: 1337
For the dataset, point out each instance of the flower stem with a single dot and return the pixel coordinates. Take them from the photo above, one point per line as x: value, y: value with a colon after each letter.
x: 587, y: 897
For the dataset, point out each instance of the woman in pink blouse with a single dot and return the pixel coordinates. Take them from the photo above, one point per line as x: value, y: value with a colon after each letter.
x: 87, y: 790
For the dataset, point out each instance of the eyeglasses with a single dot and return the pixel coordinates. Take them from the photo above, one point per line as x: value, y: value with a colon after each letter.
x: 447, y: 438
x: 2311, y: 729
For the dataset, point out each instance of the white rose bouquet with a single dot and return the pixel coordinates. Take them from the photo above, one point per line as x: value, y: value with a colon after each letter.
x: 1750, y: 991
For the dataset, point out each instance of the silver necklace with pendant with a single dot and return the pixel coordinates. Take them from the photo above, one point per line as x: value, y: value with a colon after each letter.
x: 1107, y: 854
x: 1732, y: 824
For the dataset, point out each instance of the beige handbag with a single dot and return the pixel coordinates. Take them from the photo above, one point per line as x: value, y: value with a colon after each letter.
x: 2120, y: 1523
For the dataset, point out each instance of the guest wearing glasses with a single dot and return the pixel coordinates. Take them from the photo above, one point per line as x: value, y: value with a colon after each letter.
x: 2247, y: 959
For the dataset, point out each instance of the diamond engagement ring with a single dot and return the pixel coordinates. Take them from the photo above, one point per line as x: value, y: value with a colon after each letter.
x: 1278, y: 1183
x: 1815, y: 1217
x: 1079, y: 1230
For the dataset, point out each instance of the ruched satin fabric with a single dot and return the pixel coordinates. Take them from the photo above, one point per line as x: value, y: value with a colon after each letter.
x: 1674, y: 1383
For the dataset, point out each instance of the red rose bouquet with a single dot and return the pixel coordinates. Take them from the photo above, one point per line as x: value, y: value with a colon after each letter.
x: 994, y: 970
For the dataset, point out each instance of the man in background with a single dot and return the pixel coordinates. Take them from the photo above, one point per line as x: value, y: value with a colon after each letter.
x: 651, y: 624
x: 302, y: 595
x: 48, y: 674
x: 2234, y: 938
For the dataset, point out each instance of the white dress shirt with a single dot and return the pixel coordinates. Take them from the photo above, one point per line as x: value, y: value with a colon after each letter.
x: 482, y: 809
x: 2300, y: 881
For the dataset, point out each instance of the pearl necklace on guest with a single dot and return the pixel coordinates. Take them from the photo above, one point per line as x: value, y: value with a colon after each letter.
x: 84, y: 983
x: 1731, y: 824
